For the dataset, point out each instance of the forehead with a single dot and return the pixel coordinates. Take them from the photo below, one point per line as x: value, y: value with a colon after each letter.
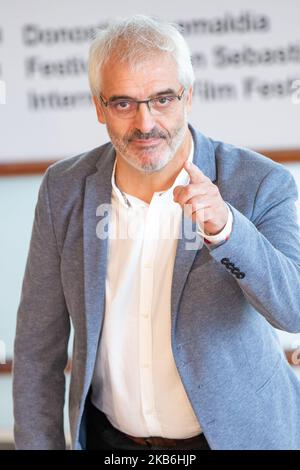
x: 147, y: 78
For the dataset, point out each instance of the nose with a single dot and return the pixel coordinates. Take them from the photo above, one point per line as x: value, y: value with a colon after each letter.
x: 143, y: 119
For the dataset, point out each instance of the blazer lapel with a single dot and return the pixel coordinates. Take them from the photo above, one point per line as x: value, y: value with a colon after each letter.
x: 97, y: 192
x: 204, y: 158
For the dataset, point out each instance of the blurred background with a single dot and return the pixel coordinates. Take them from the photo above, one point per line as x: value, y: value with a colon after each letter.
x: 247, y: 92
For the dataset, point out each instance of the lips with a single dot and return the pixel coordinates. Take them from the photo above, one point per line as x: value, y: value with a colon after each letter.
x: 147, y: 141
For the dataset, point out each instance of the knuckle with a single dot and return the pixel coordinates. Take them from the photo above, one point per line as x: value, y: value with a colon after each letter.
x: 215, y: 189
x: 189, y: 192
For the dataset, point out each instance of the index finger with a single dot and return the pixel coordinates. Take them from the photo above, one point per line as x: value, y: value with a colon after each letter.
x: 196, y: 175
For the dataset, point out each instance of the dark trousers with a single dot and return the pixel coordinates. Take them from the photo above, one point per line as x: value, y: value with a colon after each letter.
x: 102, y: 435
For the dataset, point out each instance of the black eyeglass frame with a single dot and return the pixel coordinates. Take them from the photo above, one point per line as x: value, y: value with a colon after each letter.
x: 138, y: 102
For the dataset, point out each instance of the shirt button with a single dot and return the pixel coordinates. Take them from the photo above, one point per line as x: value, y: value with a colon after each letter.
x: 240, y: 275
x: 230, y: 266
x: 235, y: 270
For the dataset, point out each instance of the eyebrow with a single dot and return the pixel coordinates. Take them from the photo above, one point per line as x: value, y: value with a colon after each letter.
x: 168, y: 91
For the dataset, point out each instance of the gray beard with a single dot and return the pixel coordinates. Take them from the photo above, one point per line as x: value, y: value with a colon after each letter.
x: 150, y: 167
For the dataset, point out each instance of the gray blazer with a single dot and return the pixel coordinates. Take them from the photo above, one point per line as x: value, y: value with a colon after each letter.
x: 224, y: 301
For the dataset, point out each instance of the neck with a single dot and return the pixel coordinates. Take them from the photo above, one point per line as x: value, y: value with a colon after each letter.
x: 143, y: 185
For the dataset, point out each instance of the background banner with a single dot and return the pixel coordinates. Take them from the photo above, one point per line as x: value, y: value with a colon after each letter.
x: 246, y: 57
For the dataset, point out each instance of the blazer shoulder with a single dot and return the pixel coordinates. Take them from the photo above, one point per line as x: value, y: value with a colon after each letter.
x: 78, y: 166
x: 247, y: 162
x: 64, y: 181
x: 247, y: 179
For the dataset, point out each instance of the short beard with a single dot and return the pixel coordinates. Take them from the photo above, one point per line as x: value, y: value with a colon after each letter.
x: 173, y: 142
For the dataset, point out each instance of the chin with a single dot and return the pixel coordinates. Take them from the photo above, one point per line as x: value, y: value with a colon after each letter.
x: 153, y: 163
x: 152, y: 166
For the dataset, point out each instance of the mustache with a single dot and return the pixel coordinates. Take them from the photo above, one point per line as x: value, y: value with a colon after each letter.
x: 153, y: 134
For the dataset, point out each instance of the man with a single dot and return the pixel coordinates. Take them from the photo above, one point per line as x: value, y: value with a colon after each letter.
x: 173, y: 322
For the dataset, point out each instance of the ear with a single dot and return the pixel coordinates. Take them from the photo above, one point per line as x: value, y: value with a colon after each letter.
x: 99, y: 110
x: 189, y: 98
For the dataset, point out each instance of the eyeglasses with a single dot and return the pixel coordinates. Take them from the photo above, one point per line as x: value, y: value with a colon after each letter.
x: 158, y: 105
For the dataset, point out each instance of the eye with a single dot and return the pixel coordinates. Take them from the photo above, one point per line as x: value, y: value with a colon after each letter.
x: 121, y: 105
x: 163, y: 101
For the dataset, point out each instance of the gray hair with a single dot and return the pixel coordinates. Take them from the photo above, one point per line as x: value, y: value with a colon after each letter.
x: 134, y: 39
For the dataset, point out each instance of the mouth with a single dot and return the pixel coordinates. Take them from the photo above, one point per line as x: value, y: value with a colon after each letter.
x: 147, y: 142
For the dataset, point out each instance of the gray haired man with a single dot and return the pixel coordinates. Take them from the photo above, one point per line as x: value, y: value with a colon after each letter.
x: 174, y: 345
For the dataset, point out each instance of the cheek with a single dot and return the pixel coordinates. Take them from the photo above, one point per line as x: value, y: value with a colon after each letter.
x: 179, y: 121
x: 116, y: 130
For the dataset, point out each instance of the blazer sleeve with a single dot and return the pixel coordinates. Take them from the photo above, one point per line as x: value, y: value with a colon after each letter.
x: 42, y: 333
x: 266, y: 250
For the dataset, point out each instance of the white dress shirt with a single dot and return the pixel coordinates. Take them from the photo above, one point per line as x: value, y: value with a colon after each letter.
x: 136, y: 382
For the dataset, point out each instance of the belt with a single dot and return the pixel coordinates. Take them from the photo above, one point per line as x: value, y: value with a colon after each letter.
x: 161, y: 441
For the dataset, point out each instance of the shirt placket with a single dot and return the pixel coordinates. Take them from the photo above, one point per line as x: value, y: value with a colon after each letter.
x: 145, y: 318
